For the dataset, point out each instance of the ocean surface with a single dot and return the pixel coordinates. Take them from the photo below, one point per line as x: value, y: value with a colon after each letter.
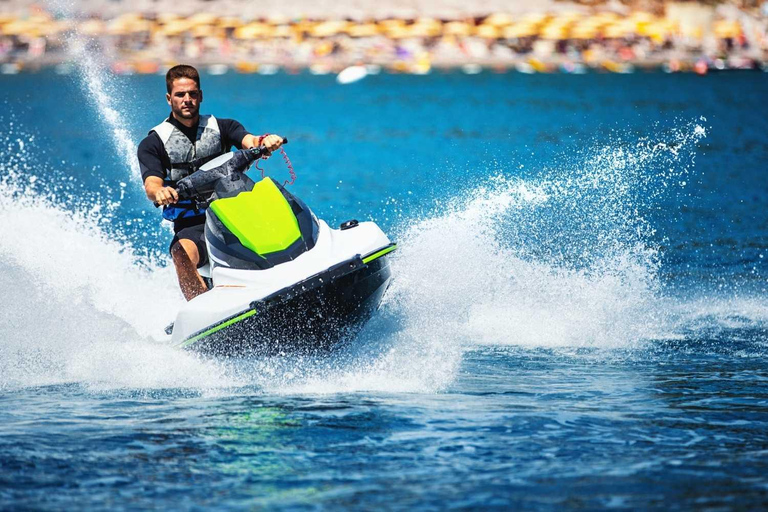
x: 578, y: 317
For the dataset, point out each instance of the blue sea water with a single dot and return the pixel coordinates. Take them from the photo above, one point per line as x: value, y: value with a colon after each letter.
x: 578, y: 320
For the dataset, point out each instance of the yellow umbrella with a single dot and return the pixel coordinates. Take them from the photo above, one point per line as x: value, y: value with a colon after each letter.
x: 554, y: 33
x: 299, y: 26
x: 167, y: 17
x: 328, y: 28
x: 399, y: 33
x: 174, y: 28
x: 498, y: 19
x: 391, y: 24
x: 618, y: 30
x: 39, y: 19
x: 363, y: 30
x: 642, y: 17
x: 727, y: 29
x: 14, y: 28
x: 253, y: 30
x: 202, y: 18
x: 658, y: 31
x: 519, y: 30
x: 488, y: 31
x: 230, y: 22
x: 426, y: 29
x: 457, y: 28
x: 584, y: 32
x: 91, y: 28
x: 282, y: 31
x: 129, y: 26
x: 535, y: 18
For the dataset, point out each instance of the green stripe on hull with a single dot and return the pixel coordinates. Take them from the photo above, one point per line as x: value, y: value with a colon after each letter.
x: 379, y: 254
x: 217, y: 328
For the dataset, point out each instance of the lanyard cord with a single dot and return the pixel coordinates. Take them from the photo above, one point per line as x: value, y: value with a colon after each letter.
x: 288, y: 164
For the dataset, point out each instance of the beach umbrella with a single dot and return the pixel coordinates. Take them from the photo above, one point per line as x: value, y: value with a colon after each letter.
x: 642, y: 17
x: 457, y: 28
x: 658, y: 31
x: 173, y: 28
x: 584, y: 32
x: 391, y: 24
x: 363, y: 30
x: 399, y: 33
x: 618, y: 30
x: 519, y: 30
x: 534, y: 18
x: 254, y: 30
x: 230, y: 22
x: 554, y: 33
x: 284, y: 31
x: 166, y: 17
x: 202, y: 18
x: 727, y: 29
x: 488, y: 31
x: 328, y: 28
x: 498, y: 19
x: 426, y: 28
x: 15, y: 28
x: 124, y: 25
x: 91, y: 28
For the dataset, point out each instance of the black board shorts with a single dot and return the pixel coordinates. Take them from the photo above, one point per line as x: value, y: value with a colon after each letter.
x: 192, y: 229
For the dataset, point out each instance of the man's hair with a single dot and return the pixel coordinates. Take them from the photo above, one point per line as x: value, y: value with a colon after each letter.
x: 181, y: 71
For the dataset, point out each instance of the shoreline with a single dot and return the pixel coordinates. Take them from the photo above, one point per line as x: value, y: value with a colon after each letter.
x: 686, y: 37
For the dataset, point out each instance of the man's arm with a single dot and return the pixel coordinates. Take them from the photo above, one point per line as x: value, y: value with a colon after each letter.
x: 150, y: 154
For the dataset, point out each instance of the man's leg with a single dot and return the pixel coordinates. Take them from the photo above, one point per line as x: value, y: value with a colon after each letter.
x: 186, y: 257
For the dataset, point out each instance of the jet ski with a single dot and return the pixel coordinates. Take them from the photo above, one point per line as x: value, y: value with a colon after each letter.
x: 280, y: 279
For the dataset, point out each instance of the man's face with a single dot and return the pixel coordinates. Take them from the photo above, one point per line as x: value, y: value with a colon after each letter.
x: 185, y: 98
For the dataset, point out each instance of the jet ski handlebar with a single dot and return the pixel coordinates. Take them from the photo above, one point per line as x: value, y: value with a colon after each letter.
x: 199, y: 185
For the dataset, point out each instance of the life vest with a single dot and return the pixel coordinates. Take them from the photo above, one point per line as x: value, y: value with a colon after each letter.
x: 186, y: 158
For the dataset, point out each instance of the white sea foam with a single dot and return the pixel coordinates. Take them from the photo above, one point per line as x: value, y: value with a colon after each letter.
x: 563, y: 260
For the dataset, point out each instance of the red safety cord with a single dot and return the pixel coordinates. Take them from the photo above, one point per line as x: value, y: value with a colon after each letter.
x: 287, y: 164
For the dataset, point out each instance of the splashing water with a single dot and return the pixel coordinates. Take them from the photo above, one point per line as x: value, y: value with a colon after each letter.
x: 101, y: 89
x: 566, y: 259
x: 79, y: 306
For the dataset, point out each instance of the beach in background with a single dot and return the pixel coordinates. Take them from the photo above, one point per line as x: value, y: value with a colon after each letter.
x: 415, y: 36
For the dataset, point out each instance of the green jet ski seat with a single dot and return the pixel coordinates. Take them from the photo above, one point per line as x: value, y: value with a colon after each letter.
x: 260, y: 227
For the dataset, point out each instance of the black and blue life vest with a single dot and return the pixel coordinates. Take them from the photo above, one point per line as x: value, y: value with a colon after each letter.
x: 186, y: 158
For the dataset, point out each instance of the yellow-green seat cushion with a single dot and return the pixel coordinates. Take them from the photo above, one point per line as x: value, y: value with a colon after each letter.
x: 261, y: 219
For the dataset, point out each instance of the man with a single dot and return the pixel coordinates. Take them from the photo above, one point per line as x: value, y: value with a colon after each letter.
x: 176, y: 148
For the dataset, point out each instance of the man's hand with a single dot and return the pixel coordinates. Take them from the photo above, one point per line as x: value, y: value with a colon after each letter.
x: 271, y: 142
x: 166, y: 195
x: 158, y: 193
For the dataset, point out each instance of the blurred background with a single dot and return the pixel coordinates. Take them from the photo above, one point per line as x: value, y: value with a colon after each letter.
x: 406, y: 36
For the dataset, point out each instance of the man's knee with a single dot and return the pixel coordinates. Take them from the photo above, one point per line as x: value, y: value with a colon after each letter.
x: 185, y: 251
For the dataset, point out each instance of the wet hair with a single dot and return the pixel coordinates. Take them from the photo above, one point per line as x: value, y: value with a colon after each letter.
x: 181, y: 71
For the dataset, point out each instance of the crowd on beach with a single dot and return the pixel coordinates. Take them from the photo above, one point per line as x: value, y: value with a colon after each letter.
x: 677, y: 37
